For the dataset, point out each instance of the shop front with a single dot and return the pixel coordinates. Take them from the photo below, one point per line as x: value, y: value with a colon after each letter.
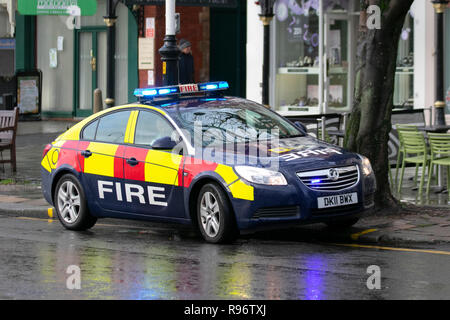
x: 313, y: 57
x: 313, y: 63
x: 71, y: 53
x: 215, y: 29
x: 302, y: 83
x: 75, y: 56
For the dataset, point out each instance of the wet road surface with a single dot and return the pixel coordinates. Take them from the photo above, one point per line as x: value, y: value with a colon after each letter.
x: 121, y: 259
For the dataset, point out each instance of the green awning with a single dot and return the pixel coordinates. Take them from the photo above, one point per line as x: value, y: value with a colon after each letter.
x: 193, y: 3
x: 57, y: 7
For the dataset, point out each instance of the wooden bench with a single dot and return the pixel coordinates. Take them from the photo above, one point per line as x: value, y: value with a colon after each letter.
x: 8, y: 130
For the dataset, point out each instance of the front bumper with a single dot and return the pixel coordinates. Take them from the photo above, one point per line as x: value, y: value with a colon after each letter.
x: 295, y: 204
x: 46, y: 182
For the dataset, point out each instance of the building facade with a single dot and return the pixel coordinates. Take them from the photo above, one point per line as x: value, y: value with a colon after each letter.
x: 303, y: 83
x: 72, y: 52
x: 7, y: 51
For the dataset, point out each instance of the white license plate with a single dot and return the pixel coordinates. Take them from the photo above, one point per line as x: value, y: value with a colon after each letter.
x: 337, y: 200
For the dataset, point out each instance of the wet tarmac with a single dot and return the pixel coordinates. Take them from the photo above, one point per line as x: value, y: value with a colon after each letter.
x: 121, y: 259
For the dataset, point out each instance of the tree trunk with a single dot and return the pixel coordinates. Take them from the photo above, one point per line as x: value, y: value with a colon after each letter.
x: 370, y: 122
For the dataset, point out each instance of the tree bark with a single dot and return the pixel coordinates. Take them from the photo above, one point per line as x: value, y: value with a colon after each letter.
x: 370, y: 122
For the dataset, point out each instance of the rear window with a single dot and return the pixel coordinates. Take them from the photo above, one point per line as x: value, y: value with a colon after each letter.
x: 109, y: 128
x: 112, y: 127
x: 89, y: 131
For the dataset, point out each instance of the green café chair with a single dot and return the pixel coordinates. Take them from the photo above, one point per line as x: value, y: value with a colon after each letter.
x: 414, y: 150
x: 401, y: 128
x: 440, y: 155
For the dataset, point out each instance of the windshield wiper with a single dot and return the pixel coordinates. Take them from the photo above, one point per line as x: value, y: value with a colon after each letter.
x: 292, y: 136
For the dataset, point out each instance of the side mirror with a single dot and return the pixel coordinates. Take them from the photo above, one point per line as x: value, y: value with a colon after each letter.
x: 164, y: 143
x: 301, y: 126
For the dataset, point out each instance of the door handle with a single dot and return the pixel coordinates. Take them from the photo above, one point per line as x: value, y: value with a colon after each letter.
x: 93, y: 61
x: 86, y: 153
x: 132, y: 162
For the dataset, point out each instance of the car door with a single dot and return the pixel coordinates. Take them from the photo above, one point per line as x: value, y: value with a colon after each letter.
x: 152, y: 175
x: 101, y: 159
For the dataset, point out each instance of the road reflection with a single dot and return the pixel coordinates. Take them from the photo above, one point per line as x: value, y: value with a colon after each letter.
x: 175, y: 270
x: 314, y: 278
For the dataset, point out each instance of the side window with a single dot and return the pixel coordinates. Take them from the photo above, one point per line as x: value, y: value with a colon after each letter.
x: 89, y: 131
x: 150, y: 127
x: 112, y: 127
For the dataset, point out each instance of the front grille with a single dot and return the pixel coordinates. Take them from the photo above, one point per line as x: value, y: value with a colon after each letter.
x: 277, y: 212
x: 322, y: 180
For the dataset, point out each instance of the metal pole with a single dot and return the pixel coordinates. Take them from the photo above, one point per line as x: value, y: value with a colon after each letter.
x: 110, y: 21
x: 440, y: 6
x: 266, y: 17
x: 266, y: 61
x: 169, y: 52
x: 322, y: 64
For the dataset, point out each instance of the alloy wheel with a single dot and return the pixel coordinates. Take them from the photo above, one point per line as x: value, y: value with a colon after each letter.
x: 69, y: 201
x: 210, y: 214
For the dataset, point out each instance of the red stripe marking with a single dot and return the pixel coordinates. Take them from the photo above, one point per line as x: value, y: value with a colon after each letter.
x: 192, y: 167
x: 82, y: 145
x: 119, y: 162
x: 137, y: 172
x: 68, y: 155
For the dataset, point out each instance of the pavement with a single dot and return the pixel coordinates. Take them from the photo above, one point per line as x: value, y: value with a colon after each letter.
x: 21, y: 195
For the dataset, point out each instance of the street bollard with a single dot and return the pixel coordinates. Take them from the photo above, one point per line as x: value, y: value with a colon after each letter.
x: 98, y: 102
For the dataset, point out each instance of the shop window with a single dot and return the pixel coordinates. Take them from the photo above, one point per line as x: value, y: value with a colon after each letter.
x: 297, y: 43
x: 297, y: 58
x: 404, y: 75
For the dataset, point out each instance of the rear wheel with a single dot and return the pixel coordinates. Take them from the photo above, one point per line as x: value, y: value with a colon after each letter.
x: 215, y: 217
x: 342, y: 224
x: 70, y: 203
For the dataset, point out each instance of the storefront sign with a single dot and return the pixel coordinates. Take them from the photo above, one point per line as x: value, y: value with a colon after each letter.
x: 7, y: 54
x: 201, y: 3
x: 150, y: 78
x: 7, y: 44
x: 146, y: 53
x: 57, y: 7
x: 150, y: 27
x: 28, y: 94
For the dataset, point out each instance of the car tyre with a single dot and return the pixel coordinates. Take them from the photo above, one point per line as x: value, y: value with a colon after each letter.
x: 215, y: 216
x: 71, y: 206
x: 342, y: 224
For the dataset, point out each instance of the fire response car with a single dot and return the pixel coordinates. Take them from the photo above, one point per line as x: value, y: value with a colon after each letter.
x: 189, y: 154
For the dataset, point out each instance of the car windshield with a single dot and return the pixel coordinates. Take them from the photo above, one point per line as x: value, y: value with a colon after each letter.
x: 232, y: 121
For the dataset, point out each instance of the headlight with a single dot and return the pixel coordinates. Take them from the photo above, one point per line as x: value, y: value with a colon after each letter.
x: 261, y: 176
x: 366, y: 166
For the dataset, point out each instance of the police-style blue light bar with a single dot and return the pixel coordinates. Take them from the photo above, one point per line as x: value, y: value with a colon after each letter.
x: 183, y: 89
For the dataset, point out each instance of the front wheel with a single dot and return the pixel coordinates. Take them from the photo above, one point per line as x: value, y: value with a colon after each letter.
x: 70, y: 203
x: 215, y: 217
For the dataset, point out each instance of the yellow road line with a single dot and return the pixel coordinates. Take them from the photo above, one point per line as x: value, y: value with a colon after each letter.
x: 354, y: 245
x: 40, y: 219
x: 355, y: 236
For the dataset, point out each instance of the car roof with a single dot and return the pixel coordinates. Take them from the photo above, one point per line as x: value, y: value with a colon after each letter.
x: 164, y: 106
x: 172, y: 105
